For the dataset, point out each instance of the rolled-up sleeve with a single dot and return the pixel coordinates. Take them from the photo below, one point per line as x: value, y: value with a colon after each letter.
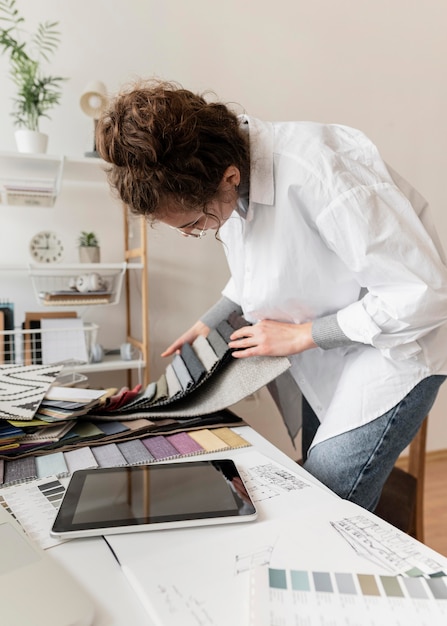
x: 375, y: 231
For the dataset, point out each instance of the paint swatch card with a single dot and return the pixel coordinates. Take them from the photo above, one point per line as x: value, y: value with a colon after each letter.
x: 34, y: 505
x: 318, y: 598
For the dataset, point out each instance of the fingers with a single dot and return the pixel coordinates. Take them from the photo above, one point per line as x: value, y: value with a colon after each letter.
x: 173, y: 349
x: 243, y: 342
x: 199, y: 328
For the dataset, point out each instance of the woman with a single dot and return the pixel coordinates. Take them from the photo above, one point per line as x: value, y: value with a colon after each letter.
x: 334, y: 263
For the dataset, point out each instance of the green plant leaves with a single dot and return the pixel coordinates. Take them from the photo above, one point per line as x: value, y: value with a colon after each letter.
x: 36, y: 93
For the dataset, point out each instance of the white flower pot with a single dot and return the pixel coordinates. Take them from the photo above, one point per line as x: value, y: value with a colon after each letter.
x: 31, y: 141
x: 89, y: 254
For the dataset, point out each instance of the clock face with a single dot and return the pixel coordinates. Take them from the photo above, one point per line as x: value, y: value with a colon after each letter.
x: 46, y: 247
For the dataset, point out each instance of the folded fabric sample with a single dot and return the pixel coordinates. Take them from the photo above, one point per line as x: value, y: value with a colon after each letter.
x: 23, y: 387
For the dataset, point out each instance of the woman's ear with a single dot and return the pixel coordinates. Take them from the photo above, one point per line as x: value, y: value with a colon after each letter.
x: 231, y: 177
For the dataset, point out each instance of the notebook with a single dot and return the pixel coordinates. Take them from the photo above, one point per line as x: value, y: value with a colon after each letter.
x: 34, y: 588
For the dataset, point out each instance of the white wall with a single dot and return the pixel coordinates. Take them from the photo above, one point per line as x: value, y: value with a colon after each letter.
x: 379, y: 65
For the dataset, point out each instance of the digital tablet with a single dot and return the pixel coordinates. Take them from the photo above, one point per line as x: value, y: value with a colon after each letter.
x: 135, y: 498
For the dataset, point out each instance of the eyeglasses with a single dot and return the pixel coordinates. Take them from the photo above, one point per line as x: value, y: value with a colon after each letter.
x: 192, y: 231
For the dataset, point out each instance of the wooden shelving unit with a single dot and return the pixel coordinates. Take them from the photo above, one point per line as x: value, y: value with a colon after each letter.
x: 35, y: 180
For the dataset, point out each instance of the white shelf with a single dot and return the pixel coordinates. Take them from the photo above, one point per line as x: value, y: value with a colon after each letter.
x: 35, y: 180
x: 30, y: 180
x: 89, y: 170
x: 109, y: 364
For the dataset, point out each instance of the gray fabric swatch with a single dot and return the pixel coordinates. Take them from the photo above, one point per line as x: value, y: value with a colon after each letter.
x: 19, y: 470
x: 287, y: 397
x: 135, y: 452
x: 162, y: 389
x: 225, y: 330
x: 108, y: 455
x: 80, y: 458
x: 218, y: 344
x: 205, y: 353
x: 194, y: 366
x: 174, y: 386
x: 182, y: 373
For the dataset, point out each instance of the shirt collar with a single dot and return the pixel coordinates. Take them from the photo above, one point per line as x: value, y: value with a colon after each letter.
x: 262, y: 189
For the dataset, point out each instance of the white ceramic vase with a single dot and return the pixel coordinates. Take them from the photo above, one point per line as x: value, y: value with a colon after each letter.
x: 31, y: 141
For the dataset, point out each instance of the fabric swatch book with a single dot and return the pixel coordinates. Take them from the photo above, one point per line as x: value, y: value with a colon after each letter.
x: 142, y: 450
x: 195, y: 391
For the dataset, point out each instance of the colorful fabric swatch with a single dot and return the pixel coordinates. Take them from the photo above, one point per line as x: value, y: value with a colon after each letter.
x: 160, y: 447
x: 51, y: 464
x: 112, y: 428
x: 230, y: 437
x: 208, y: 440
x: 184, y: 444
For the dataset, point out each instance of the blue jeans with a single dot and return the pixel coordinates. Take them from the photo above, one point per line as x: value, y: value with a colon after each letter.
x: 356, y: 464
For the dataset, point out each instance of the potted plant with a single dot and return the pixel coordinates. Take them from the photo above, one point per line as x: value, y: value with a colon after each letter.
x: 37, y: 93
x: 89, y: 250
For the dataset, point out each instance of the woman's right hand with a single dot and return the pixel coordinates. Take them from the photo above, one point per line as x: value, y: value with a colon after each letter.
x: 189, y: 336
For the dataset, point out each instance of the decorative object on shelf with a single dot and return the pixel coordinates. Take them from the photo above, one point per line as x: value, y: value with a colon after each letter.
x: 89, y: 250
x: 46, y: 247
x: 93, y: 101
x: 87, y: 283
x: 36, y: 93
x: 31, y: 141
x: 126, y: 351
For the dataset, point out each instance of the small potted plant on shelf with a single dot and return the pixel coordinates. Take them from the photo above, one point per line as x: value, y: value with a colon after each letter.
x: 37, y: 93
x: 89, y: 250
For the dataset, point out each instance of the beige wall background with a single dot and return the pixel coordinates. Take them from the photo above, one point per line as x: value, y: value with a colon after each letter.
x: 379, y: 65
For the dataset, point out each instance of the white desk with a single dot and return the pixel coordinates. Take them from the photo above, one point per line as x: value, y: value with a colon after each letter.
x: 93, y: 564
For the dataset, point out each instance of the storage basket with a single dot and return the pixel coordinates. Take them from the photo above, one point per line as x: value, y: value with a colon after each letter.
x: 63, y: 343
x: 77, y: 285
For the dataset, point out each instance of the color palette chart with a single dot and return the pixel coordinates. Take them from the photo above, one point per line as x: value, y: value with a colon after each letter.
x: 34, y: 505
x: 290, y: 597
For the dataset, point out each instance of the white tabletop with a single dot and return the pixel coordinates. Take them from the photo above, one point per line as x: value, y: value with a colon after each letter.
x: 304, y: 518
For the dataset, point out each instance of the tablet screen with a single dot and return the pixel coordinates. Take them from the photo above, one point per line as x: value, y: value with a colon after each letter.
x: 122, y: 499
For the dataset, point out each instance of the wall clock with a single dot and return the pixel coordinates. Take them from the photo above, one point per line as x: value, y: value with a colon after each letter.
x: 46, y: 247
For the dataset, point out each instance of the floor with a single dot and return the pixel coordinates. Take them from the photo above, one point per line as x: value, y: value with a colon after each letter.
x: 435, y: 505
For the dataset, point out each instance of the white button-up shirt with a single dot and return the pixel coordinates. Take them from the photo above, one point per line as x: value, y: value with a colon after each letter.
x: 331, y: 229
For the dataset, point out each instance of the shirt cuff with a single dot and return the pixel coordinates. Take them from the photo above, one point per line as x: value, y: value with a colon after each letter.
x: 327, y: 333
x: 220, y: 311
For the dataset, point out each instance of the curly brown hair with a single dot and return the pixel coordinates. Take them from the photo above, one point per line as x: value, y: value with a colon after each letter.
x: 168, y: 145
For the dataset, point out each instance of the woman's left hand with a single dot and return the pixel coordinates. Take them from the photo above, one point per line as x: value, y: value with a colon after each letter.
x: 269, y: 338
